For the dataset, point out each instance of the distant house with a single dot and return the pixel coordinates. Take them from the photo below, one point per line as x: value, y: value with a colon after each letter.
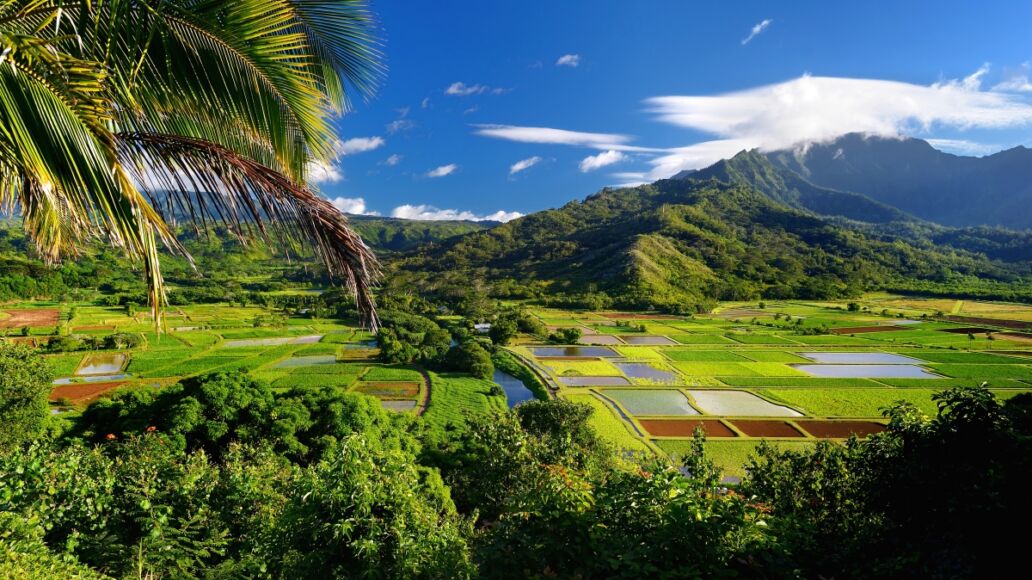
x: 482, y: 327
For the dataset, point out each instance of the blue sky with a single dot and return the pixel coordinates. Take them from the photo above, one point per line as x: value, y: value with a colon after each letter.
x: 588, y: 94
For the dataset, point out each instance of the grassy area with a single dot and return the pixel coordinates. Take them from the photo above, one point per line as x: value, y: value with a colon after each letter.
x: 730, y: 456
x: 454, y: 397
x: 850, y: 402
x: 610, y: 427
x: 579, y: 368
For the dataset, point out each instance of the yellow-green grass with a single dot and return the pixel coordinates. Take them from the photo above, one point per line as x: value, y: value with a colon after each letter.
x: 983, y: 372
x: 608, y: 426
x: 701, y: 339
x: 729, y: 455
x: 392, y: 373
x: 712, y: 369
x: 751, y: 338
x: 851, y: 402
x: 582, y: 368
x: 774, y: 356
x: 639, y: 352
x: 685, y: 355
x: 454, y: 398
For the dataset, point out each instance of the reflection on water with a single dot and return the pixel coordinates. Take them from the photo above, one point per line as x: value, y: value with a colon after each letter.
x: 515, y: 391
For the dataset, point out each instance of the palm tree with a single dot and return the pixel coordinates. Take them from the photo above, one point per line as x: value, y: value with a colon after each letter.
x: 117, y: 113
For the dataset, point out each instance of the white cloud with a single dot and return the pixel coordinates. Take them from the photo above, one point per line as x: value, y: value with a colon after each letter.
x: 442, y: 170
x: 460, y: 89
x: 400, y: 125
x: 352, y: 205
x: 429, y: 212
x: 757, y: 29
x: 570, y: 60
x: 593, y: 162
x: 816, y: 109
x: 319, y: 172
x: 358, y: 145
x: 425, y: 103
x: 549, y: 136
x: 392, y: 160
x: 964, y: 147
x: 1016, y: 81
x: 523, y: 164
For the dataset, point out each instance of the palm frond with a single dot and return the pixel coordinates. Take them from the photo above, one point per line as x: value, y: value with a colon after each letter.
x: 210, y: 183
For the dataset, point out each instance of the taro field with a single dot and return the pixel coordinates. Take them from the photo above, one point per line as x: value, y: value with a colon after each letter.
x: 288, y: 351
x: 789, y: 372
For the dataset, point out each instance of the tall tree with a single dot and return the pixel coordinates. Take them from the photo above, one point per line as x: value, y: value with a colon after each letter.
x: 115, y: 115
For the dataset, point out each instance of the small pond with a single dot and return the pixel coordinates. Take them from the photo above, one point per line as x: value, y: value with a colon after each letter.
x: 651, y: 402
x: 306, y: 361
x: 889, y: 371
x: 362, y: 345
x: 595, y: 381
x: 739, y: 404
x: 398, y: 405
x: 574, y: 351
x: 648, y: 340
x: 515, y: 391
x: 101, y: 364
x: 860, y: 358
x: 648, y: 372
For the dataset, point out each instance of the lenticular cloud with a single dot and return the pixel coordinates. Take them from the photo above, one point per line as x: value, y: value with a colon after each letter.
x: 815, y: 109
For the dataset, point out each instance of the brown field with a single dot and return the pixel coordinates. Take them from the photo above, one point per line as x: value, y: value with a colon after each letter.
x: 83, y: 392
x: 685, y: 427
x: 1015, y: 324
x: 406, y: 389
x: 35, y: 317
x: 840, y: 429
x: 761, y: 428
x: 32, y: 341
x: 863, y: 329
x: 1016, y: 337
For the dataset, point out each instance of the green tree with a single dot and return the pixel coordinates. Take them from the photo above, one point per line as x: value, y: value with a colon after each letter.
x: 86, y: 92
x: 503, y: 330
x: 24, y: 386
x: 470, y: 357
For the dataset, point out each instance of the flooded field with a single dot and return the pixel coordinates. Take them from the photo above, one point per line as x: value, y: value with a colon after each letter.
x: 858, y: 371
x: 651, y: 402
x: 102, y: 364
x: 740, y: 404
x: 306, y: 361
x: 594, y: 381
x: 860, y: 358
x: 310, y: 339
x: 648, y: 373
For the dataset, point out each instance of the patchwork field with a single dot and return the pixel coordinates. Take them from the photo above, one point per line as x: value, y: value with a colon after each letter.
x: 790, y: 372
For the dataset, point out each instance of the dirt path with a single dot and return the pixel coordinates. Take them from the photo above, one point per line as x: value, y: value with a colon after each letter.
x: 426, y: 400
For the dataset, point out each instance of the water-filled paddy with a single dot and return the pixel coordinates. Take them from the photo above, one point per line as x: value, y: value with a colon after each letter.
x: 648, y: 340
x: 306, y: 361
x: 102, y: 364
x: 575, y: 351
x: 887, y: 371
x: 740, y: 404
x: 515, y: 391
x: 648, y: 373
x: 860, y: 358
x: 398, y: 405
x: 594, y: 381
x: 651, y: 402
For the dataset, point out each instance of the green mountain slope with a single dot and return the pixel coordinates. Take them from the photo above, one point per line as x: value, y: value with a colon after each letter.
x: 681, y: 244
x: 753, y: 169
x: 396, y: 235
